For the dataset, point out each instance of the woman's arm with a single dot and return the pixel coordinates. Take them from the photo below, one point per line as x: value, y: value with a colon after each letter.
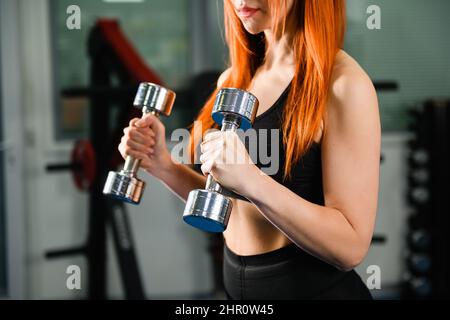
x: 339, y: 232
x: 145, y: 139
x: 181, y: 179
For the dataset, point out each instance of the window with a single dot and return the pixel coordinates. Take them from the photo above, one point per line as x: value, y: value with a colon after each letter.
x: 3, y: 284
x: 411, y: 48
x: 159, y: 30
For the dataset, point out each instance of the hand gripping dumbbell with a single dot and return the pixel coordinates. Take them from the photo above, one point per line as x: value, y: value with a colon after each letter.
x: 209, y: 209
x: 125, y: 185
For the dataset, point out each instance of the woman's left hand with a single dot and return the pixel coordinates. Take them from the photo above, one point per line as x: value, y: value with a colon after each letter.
x: 225, y: 157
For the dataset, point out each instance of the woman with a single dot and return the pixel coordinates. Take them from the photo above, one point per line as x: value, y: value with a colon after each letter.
x: 305, y: 228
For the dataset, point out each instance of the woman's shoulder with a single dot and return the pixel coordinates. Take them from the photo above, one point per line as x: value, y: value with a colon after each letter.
x: 352, y: 106
x: 351, y: 91
x: 223, y: 76
x: 348, y: 75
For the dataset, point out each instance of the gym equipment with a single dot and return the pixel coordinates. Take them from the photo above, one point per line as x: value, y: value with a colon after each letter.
x: 421, y: 287
x: 420, y: 195
x: 420, y: 176
x: 419, y: 157
x: 209, y: 209
x: 419, y: 240
x: 419, y: 263
x: 82, y: 165
x: 116, y: 69
x: 125, y: 185
x: 428, y: 173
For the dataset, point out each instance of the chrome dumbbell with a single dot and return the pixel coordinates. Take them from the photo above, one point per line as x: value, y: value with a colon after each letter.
x: 209, y: 209
x: 125, y: 185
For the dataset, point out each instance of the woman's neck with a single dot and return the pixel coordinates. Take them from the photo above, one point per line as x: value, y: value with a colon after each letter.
x: 279, y: 50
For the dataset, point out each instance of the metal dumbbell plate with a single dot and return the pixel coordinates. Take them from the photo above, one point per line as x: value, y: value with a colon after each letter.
x: 123, y: 187
x: 207, y: 210
x: 237, y: 102
x: 154, y: 98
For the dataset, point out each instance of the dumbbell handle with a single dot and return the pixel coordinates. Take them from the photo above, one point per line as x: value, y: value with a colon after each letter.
x: 132, y: 165
x: 211, y: 184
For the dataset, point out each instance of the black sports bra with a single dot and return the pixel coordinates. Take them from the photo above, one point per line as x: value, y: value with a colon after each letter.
x: 306, y: 174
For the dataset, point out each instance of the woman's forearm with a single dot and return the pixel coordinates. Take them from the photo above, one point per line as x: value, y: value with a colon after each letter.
x: 322, y: 231
x: 181, y: 179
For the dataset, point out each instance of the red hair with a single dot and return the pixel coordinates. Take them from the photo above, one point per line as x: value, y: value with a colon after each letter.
x: 318, y: 35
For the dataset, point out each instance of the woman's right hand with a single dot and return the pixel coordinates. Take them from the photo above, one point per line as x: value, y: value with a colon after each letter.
x: 145, y: 139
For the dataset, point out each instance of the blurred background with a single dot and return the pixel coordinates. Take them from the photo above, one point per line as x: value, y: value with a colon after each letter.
x: 66, y: 87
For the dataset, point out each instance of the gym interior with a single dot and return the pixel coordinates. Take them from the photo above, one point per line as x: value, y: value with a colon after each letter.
x: 69, y: 71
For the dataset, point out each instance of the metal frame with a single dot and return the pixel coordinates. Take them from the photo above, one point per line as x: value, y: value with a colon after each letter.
x: 3, y: 282
x: 200, y: 50
x: 12, y: 124
x: 13, y: 54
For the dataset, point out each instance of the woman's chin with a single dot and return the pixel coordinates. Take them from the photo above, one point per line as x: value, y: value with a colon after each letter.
x: 252, y: 29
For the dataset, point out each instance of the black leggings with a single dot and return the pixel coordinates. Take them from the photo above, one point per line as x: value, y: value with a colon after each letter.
x: 288, y: 273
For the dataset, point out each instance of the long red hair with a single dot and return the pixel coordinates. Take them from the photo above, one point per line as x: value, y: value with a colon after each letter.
x: 318, y: 36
